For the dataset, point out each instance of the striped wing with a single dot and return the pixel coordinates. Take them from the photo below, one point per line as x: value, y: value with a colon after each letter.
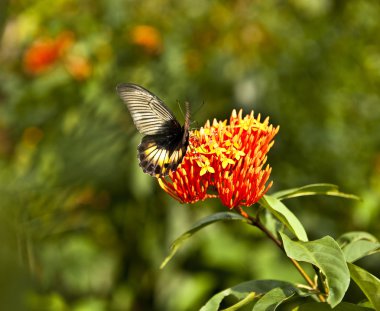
x: 158, y: 160
x: 149, y: 113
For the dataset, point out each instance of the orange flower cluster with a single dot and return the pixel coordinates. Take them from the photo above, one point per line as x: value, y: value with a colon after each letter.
x: 147, y: 37
x: 45, y: 52
x: 78, y: 66
x: 226, y: 159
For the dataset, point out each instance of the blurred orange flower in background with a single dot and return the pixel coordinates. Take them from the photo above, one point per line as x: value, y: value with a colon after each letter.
x: 78, y: 66
x: 227, y: 159
x: 45, y: 52
x: 147, y: 37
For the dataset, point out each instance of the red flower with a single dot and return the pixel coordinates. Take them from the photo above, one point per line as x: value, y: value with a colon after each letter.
x: 45, y: 52
x: 227, y: 159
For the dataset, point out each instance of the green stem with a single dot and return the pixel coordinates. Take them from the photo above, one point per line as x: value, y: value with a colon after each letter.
x: 256, y: 222
x: 252, y: 296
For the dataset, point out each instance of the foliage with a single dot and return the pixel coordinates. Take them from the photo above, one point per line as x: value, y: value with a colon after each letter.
x: 331, y: 264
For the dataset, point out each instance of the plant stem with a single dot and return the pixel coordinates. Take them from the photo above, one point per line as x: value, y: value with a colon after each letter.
x: 256, y: 222
x: 252, y: 296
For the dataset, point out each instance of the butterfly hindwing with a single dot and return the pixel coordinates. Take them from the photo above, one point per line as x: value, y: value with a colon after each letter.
x: 158, y: 156
x: 165, y: 141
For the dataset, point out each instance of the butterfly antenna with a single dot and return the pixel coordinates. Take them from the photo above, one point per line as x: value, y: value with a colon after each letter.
x: 185, y: 114
x: 199, y: 108
x: 180, y: 108
x: 194, y: 124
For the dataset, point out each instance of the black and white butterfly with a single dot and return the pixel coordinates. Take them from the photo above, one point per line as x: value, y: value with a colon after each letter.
x: 165, y: 141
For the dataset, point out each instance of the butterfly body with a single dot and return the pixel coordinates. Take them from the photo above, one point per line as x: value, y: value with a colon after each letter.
x: 165, y: 141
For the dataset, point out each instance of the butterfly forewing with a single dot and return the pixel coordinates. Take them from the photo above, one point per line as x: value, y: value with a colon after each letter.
x: 165, y: 141
x: 147, y: 110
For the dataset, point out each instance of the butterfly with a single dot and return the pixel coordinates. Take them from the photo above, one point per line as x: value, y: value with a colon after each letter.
x: 165, y: 141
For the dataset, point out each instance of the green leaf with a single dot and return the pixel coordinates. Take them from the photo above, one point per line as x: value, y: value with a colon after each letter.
x: 365, y: 303
x: 358, y: 244
x: 313, y: 189
x: 284, y: 215
x: 224, y: 216
x: 250, y: 289
x: 359, y: 249
x: 272, y: 299
x: 318, y: 306
x: 368, y: 283
x: 326, y: 254
x: 270, y: 222
x: 355, y: 236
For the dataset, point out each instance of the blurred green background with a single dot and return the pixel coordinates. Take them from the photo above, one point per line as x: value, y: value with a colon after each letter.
x: 82, y: 228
